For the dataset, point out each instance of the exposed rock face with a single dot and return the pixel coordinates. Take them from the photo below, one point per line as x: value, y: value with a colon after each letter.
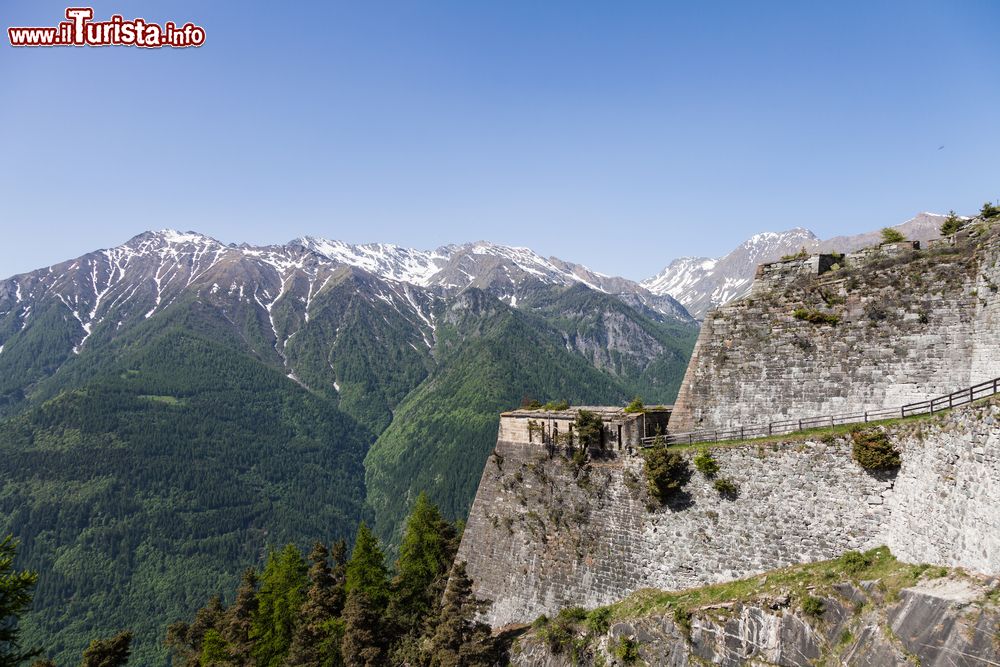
x: 945, y: 622
x: 908, y: 328
x: 544, y: 534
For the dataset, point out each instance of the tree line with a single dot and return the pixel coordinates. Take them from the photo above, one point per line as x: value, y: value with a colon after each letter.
x: 327, y: 609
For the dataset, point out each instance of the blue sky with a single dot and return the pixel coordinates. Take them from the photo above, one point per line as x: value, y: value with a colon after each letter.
x: 616, y: 134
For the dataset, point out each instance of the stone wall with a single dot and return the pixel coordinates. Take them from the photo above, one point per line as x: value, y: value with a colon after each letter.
x: 911, y: 326
x: 544, y: 534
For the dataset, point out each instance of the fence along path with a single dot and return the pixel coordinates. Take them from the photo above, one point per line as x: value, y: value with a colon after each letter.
x: 960, y: 397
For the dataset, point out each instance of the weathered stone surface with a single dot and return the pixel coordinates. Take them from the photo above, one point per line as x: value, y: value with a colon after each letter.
x: 544, y: 534
x: 947, y: 622
x: 911, y: 327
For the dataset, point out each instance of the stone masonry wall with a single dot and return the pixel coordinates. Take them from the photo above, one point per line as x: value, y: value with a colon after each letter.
x: 544, y: 534
x: 911, y: 326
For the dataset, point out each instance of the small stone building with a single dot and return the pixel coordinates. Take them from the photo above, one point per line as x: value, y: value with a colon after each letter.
x: 622, y: 431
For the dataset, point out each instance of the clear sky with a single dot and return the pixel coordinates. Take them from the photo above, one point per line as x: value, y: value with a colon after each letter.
x: 616, y: 134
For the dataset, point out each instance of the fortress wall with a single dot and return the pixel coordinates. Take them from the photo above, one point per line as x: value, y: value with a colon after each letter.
x: 544, y: 534
x: 911, y: 327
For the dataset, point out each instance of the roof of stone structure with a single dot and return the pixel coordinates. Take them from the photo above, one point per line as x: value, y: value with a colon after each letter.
x: 605, y: 412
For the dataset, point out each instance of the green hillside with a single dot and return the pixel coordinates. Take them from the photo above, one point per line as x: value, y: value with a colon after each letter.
x: 153, y: 484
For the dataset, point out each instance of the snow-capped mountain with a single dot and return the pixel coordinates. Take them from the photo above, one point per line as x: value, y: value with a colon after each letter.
x: 508, y: 272
x: 703, y: 283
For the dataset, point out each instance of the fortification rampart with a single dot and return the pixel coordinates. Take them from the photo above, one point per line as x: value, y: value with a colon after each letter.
x: 891, y: 326
x: 545, y: 533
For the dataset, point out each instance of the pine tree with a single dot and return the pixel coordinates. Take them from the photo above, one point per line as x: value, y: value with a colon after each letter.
x: 184, y: 641
x: 238, y: 621
x: 313, y: 645
x: 460, y: 640
x: 364, y: 643
x: 366, y: 571
x: 15, y: 597
x: 112, y: 652
x: 339, y: 556
x: 425, y: 556
x: 281, y: 594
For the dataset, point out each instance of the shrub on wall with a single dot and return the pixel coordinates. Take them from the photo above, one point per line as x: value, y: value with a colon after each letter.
x: 951, y: 224
x: 635, y: 406
x: 588, y: 428
x: 706, y: 463
x: 726, y: 487
x: 815, y: 316
x: 667, y: 472
x: 873, y: 451
x: 890, y: 235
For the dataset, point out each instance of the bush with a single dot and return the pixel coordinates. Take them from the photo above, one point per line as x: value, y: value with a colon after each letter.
x: 589, y: 427
x: 873, y: 451
x: 599, y: 620
x: 727, y: 488
x: 801, y: 254
x: 682, y: 617
x: 813, y: 606
x: 890, y: 235
x: 666, y: 473
x: 635, y: 406
x: 951, y: 224
x: 853, y: 562
x: 815, y: 316
x: 626, y: 650
x: 989, y: 211
x: 555, y: 406
x: 706, y: 463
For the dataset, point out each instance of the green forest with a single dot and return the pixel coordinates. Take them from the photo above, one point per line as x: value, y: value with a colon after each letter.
x: 143, y: 474
x: 326, y: 609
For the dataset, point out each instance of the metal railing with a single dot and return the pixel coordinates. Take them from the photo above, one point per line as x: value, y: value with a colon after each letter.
x: 930, y: 406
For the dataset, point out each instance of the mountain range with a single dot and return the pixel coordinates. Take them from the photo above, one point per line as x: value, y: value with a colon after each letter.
x: 173, y: 406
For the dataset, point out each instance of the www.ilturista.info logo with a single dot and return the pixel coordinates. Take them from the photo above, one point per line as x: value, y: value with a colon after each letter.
x: 81, y: 30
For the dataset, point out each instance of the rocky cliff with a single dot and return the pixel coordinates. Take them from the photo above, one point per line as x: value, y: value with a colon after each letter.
x: 862, y: 609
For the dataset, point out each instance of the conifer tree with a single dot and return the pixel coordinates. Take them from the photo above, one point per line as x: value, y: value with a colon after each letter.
x: 15, y: 597
x: 366, y: 571
x: 282, y: 591
x: 425, y: 556
x: 238, y: 622
x: 364, y: 643
x: 339, y: 556
x: 184, y: 641
x: 460, y: 640
x: 313, y: 645
x: 112, y: 652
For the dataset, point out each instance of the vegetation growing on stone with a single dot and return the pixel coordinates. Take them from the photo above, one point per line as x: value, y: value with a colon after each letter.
x: 589, y: 427
x: 667, y: 472
x: 706, y: 463
x: 951, y: 224
x: 726, y: 487
x: 635, y: 406
x: 815, y: 316
x: 989, y: 210
x: 890, y: 235
x: 626, y: 650
x: 873, y: 451
x: 813, y: 606
x: 801, y: 254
